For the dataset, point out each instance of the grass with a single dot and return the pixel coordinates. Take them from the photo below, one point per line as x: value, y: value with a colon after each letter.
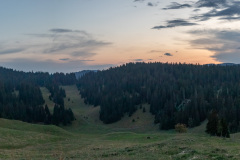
x: 88, y: 138
x: 46, y: 95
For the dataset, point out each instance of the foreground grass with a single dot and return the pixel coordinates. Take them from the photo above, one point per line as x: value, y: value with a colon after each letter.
x: 50, y: 142
x: 87, y: 138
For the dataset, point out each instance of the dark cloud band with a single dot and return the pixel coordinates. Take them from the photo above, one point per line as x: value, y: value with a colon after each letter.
x: 11, y: 51
x: 176, y: 5
x: 175, y: 23
x: 168, y: 54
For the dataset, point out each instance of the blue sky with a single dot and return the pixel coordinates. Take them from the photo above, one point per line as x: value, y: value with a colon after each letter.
x: 73, y: 35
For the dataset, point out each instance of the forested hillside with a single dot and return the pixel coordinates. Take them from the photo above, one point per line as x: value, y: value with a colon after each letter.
x: 21, y: 98
x: 82, y: 73
x: 177, y: 93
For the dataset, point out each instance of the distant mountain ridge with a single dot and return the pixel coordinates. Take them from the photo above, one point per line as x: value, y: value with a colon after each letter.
x: 222, y: 64
x: 83, y: 72
x: 228, y: 64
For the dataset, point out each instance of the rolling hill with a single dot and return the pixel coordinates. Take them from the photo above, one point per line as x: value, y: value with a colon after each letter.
x: 87, y: 138
x: 134, y: 135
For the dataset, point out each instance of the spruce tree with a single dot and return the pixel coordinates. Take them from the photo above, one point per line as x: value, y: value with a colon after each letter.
x: 225, y: 131
x: 212, y: 125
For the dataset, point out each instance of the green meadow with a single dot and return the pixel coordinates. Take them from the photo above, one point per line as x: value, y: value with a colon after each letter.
x: 89, y: 138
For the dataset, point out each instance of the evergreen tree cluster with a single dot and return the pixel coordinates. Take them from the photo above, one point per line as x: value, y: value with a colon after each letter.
x: 21, y: 97
x: 57, y: 94
x: 13, y: 78
x: 23, y: 103
x: 61, y: 115
x: 217, y: 126
x: 177, y: 93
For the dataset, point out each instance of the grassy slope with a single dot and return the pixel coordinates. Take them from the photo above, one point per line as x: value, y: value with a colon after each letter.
x: 46, y: 95
x: 88, y: 138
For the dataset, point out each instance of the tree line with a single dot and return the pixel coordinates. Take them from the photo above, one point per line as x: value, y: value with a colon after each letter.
x: 21, y: 97
x: 176, y: 92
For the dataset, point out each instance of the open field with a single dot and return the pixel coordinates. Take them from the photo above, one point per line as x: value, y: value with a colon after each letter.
x: 88, y: 138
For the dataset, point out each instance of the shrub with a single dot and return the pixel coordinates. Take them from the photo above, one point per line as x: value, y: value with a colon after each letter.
x: 180, y: 128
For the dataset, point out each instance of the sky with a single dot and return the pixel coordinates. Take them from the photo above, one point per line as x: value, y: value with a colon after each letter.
x: 74, y: 35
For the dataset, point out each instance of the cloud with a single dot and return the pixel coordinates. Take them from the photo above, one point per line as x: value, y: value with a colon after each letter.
x: 41, y: 35
x: 64, y: 59
x: 61, y: 30
x: 76, y: 43
x: 175, y: 23
x: 223, y: 9
x: 196, y: 10
x: 211, y: 3
x: 155, y: 51
x: 86, y: 60
x: 223, y: 44
x: 230, y: 11
x: 81, y: 46
x: 232, y: 57
x: 11, y: 51
x: 230, y: 18
x: 168, y: 54
x: 176, y: 5
x: 150, y: 4
x: 199, y: 4
x: 65, y: 49
x: 138, y: 60
x: 227, y: 12
x: 83, y: 54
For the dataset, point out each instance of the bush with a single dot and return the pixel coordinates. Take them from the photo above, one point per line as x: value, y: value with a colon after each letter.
x: 180, y: 128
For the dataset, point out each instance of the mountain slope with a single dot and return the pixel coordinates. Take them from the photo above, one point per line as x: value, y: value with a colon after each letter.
x: 176, y: 93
